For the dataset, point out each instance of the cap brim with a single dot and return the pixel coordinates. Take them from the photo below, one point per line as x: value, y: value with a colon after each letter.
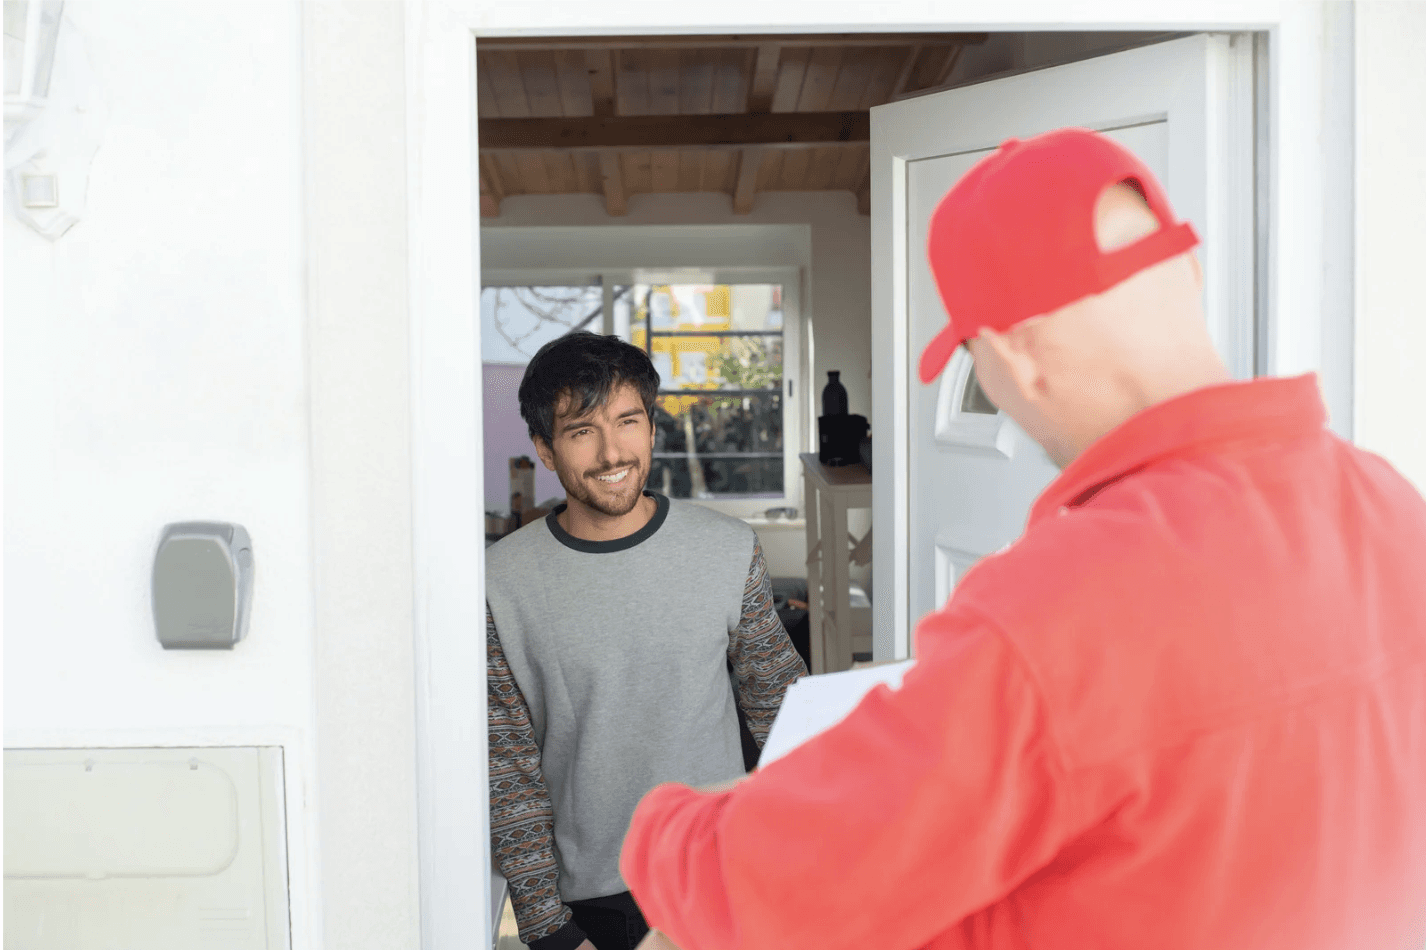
x: 938, y: 352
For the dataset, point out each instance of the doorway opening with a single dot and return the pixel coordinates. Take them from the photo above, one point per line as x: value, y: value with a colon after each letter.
x: 710, y: 199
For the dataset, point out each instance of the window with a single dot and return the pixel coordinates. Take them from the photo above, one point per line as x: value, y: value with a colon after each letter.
x: 718, y: 349
x: 516, y: 321
x: 727, y: 345
x: 966, y: 419
x: 975, y: 399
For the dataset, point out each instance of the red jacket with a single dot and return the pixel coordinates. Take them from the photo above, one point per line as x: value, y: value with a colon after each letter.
x: 1186, y: 709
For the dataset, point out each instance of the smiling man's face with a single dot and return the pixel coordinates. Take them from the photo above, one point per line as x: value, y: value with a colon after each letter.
x: 602, y: 456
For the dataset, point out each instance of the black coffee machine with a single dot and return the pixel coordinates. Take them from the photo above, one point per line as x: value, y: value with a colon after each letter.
x: 839, y: 434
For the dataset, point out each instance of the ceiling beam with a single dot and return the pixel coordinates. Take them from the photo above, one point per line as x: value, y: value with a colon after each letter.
x: 601, y: 80
x: 764, y: 81
x: 953, y: 56
x: 492, y: 188
x: 735, y: 41
x: 792, y: 129
x: 747, y: 186
x: 904, y: 77
x: 615, y: 201
x: 490, y: 175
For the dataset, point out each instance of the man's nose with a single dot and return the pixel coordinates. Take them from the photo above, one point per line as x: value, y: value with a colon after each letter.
x: 608, y: 449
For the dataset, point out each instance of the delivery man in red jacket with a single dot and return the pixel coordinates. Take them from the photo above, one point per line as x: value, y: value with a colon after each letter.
x: 1186, y: 709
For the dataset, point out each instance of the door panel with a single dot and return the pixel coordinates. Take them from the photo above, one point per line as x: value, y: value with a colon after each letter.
x: 963, y: 477
x: 972, y: 497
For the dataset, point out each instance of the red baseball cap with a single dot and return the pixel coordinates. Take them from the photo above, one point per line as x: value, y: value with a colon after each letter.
x: 1015, y: 237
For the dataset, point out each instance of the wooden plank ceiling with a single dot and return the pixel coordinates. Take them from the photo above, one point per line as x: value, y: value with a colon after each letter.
x: 622, y: 116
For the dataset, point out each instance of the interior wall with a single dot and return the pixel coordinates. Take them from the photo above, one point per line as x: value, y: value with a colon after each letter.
x: 837, y: 299
x: 506, y: 437
x: 1390, y: 245
x: 154, y: 371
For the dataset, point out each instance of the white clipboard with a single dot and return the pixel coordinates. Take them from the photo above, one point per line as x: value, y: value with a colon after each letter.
x: 814, y: 704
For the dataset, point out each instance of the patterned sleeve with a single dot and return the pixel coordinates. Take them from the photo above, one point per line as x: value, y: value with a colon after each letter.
x: 764, y: 660
x: 521, y: 816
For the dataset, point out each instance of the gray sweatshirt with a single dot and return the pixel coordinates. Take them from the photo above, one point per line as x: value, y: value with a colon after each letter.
x: 619, y: 651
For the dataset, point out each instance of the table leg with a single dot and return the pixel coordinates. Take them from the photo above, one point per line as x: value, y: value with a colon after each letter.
x: 814, y: 576
x: 837, y: 583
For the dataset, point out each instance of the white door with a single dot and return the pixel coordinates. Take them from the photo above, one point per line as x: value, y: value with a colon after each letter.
x: 960, y: 477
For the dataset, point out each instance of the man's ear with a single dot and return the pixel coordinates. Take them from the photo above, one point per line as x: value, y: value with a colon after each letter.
x: 1019, y: 365
x: 543, y: 450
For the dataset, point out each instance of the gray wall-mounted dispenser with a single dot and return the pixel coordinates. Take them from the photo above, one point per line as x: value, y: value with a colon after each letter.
x: 202, y: 585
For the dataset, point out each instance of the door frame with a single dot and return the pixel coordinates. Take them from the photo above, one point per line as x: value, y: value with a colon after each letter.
x: 1308, y: 326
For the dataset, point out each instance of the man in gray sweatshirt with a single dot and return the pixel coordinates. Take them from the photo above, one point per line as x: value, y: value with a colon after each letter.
x: 611, y: 627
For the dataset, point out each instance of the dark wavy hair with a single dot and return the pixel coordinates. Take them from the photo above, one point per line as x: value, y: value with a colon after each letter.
x: 584, y: 367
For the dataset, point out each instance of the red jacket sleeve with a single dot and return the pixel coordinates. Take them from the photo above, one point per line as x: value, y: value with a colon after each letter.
x: 923, y: 806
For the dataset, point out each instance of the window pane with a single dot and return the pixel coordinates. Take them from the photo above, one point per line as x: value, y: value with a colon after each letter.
x: 717, y: 445
x: 691, y: 308
x: 733, y: 477
x: 689, y: 363
x: 516, y: 321
x: 623, y: 312
x: 974, y: 398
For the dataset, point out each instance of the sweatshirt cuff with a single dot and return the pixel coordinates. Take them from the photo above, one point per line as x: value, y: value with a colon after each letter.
x: 566, y: 938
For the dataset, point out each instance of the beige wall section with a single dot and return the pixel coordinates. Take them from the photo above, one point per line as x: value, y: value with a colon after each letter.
x: 355, y: 173
x: 838, y: 298
x: 1391, y: 245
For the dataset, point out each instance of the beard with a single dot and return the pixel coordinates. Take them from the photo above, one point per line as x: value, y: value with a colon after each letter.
x: 613, y: 501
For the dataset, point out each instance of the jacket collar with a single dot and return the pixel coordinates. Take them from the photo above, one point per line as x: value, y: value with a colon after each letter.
x: 1194, y: 423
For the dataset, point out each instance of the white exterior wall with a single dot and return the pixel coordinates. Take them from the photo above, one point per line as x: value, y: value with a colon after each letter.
x: 1391, y: 243
x: 192, y: 349
x: 154, y: 372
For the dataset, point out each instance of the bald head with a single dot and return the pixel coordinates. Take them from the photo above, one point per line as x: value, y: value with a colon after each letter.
x: 1122, y: 216
x: 1071, y: 375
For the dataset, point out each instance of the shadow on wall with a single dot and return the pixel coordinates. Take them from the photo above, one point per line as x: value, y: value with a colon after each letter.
x: 506, y: 436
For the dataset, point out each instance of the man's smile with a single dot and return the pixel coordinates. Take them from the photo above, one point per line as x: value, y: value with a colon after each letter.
x: 614, y: 478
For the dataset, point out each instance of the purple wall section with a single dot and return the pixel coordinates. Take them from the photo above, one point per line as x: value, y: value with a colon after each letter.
x: 507, y: 437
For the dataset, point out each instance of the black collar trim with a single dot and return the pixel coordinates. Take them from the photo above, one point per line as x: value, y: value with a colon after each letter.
x: 618, y: 544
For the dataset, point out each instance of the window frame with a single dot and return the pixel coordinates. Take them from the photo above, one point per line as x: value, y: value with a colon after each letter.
x: 797, y: 425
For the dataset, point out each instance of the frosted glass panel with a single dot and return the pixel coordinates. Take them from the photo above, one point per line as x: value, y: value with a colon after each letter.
x: 165, y: 849
x: 179, y: 820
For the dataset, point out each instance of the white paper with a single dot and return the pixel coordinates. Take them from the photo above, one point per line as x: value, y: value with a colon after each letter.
x: 816, y: 703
